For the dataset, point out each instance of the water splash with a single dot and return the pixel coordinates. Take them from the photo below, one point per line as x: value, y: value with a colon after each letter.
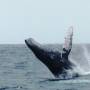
x: 87, y: 58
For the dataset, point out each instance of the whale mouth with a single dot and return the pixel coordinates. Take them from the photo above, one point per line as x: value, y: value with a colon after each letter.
x: 29, y: 42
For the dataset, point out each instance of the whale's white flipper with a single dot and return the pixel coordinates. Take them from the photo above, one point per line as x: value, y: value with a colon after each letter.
x: 68, y: 39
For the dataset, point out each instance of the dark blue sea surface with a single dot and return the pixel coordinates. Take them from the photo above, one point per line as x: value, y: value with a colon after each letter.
x: 21, y: 70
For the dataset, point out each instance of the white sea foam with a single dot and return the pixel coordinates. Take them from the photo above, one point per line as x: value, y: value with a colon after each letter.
x: 83, y: 65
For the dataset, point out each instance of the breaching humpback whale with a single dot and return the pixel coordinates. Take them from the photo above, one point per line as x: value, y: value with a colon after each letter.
x: 58, y: 63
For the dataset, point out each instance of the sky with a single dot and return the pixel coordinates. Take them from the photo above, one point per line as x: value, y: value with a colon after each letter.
x: 46, y: 21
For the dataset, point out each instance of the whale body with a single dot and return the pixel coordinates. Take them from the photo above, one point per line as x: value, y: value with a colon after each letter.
x: 57, y: 61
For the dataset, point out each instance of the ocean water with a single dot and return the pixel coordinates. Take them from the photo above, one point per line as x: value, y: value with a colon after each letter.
x: 21, y: 70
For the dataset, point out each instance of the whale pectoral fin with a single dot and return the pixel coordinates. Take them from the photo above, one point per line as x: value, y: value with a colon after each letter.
x: 68, y: 41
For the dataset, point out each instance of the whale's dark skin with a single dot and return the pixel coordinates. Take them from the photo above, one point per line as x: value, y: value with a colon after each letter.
x: 55, y: 61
